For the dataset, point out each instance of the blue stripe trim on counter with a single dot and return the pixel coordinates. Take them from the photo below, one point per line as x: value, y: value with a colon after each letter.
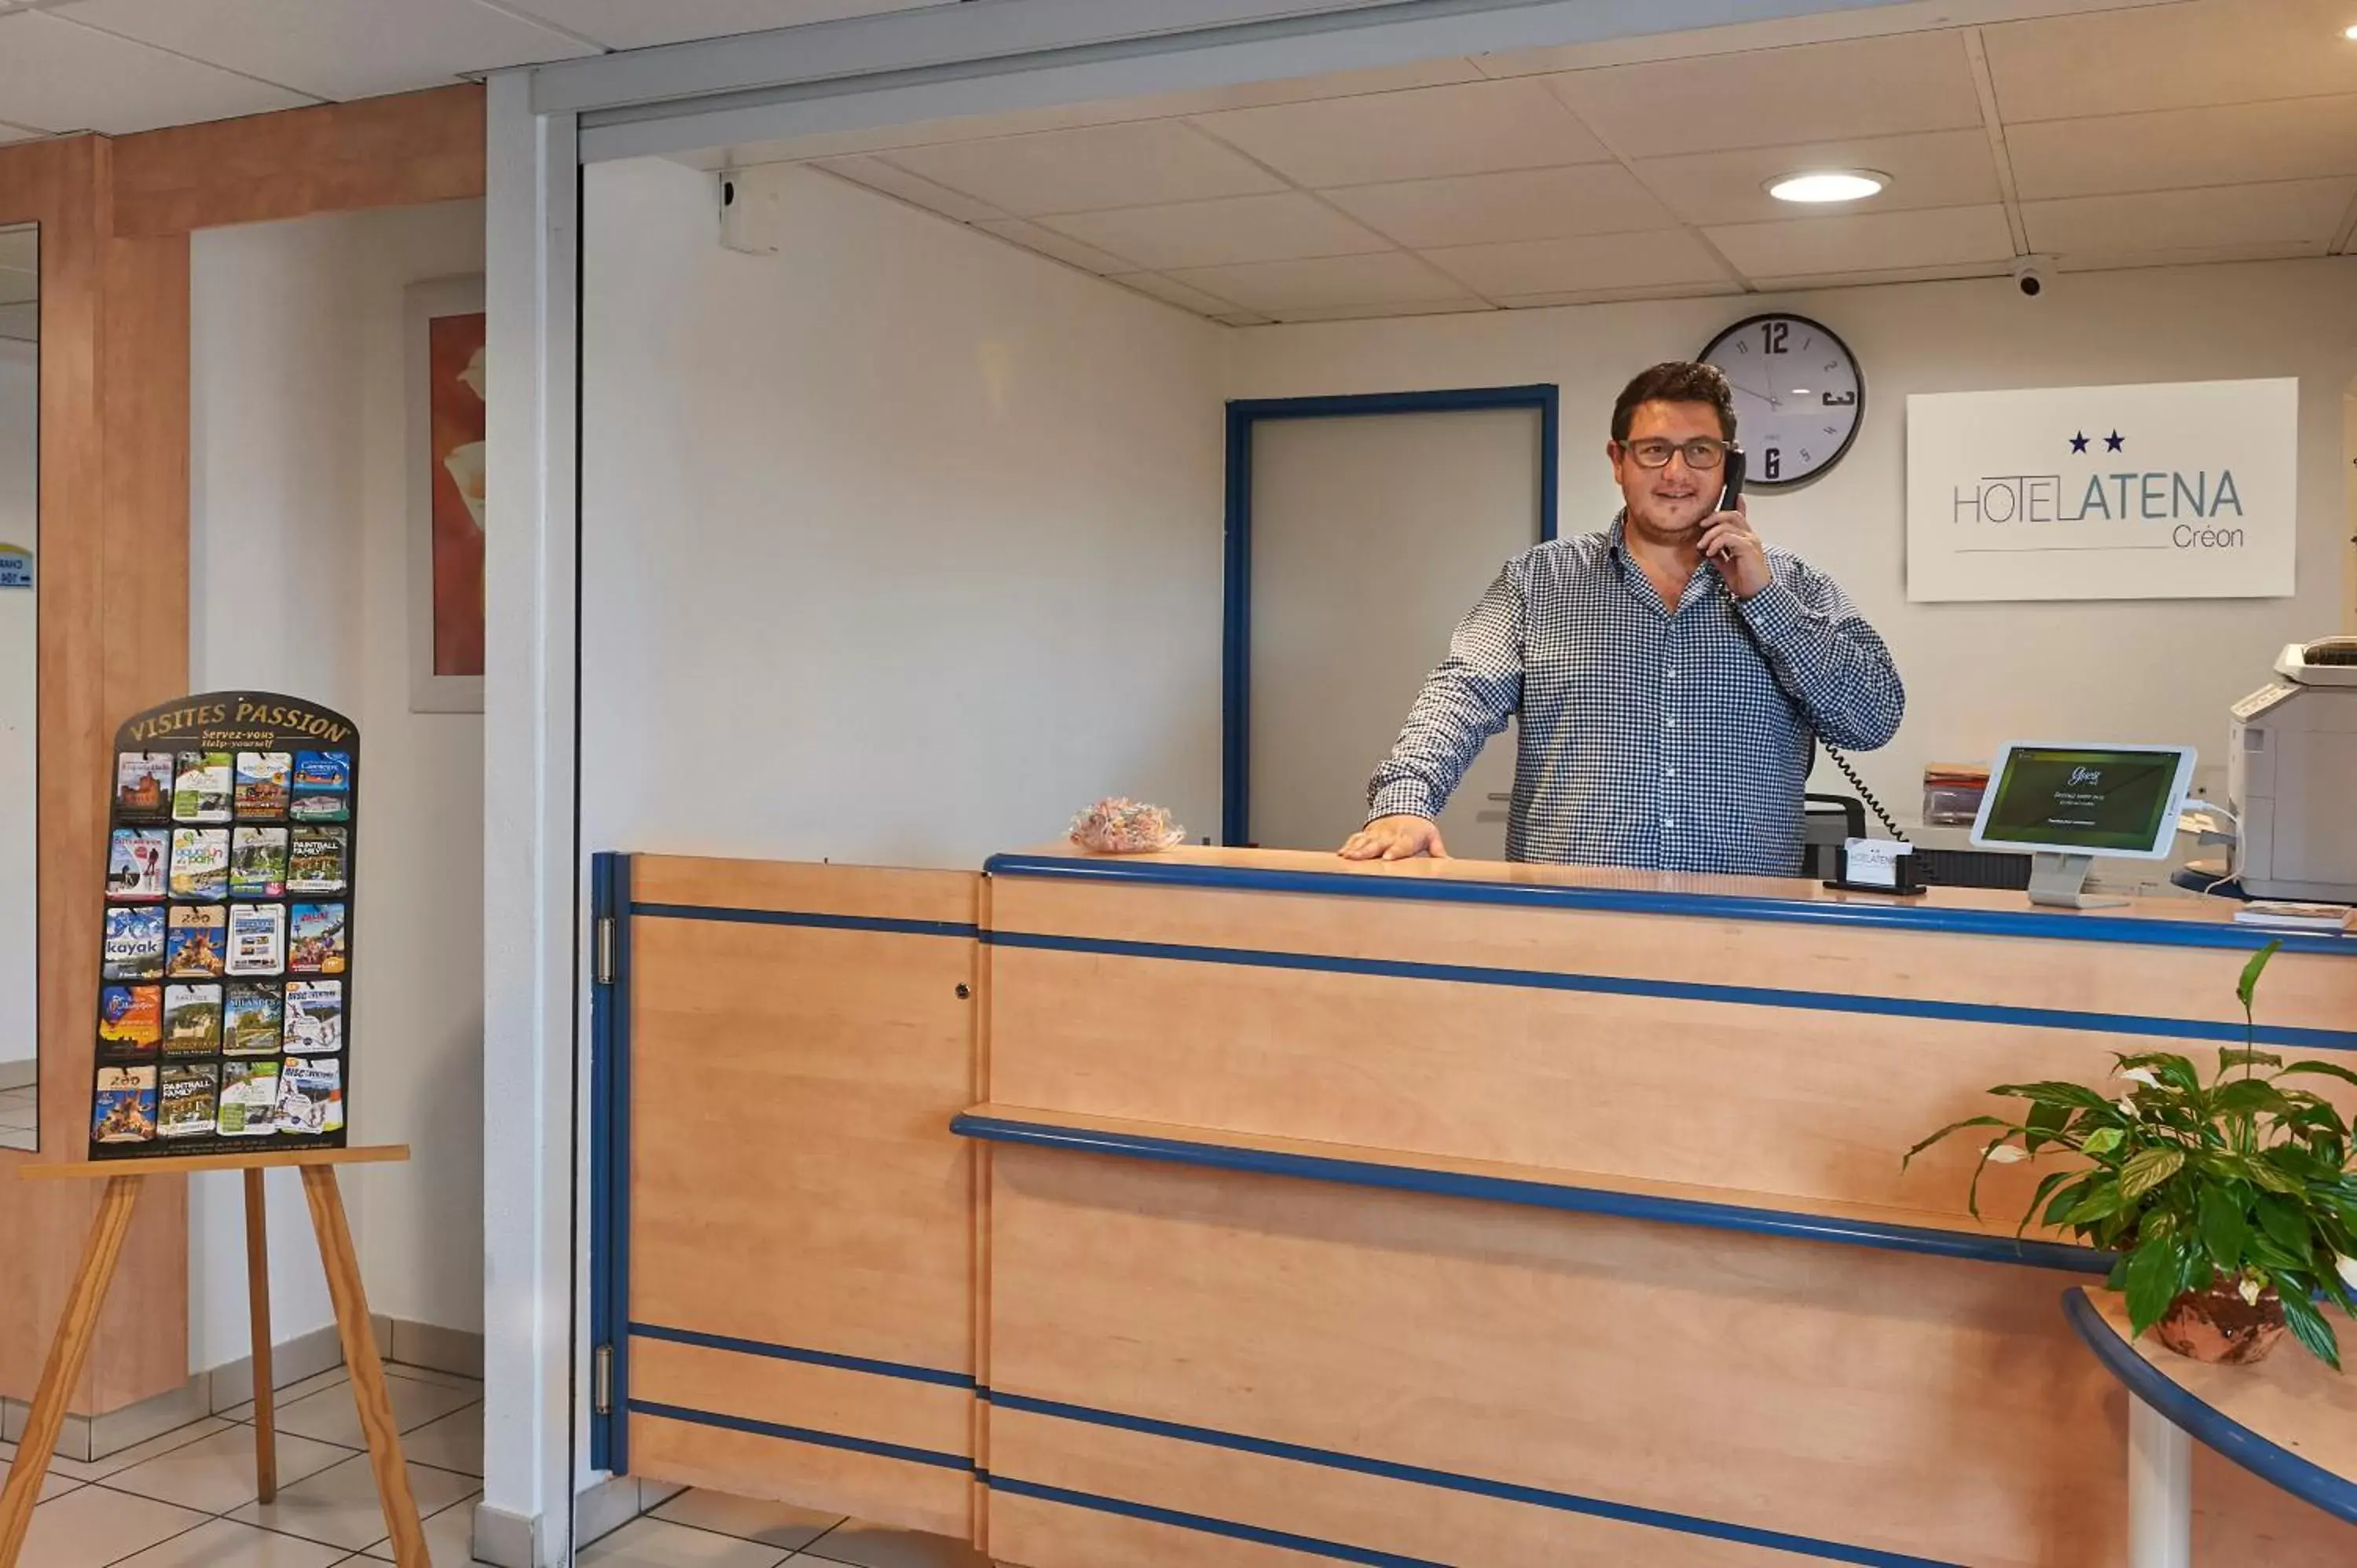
x: 803, y: 1434
x: 2064, y: 925
x: 900, y: 1369
x: 2221, y: 1033
x: 803, y: 918
x: 2211, y: 1428
x: 1794, y: 1224
x: 1452, y: 1481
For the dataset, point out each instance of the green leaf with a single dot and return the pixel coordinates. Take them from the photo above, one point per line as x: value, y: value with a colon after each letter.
x: 2224, y: 1229
x: 2243, y: 1056
x: 2261, y: 1174
x: 2057, y: 1093
x: 2330, y: 1069
x: 2248, y: 1094
x: 2053, y: 1179
x: 2287, y: 1225
x: 2152, y: 1284
x: 1953, y: 1127
x: 2101, y: 1204
x: 2102, y: 1140
x: 2307, y: 1324
x: 2148, y: 1170
x: 2247, y: 987
x: 2169, y: 1068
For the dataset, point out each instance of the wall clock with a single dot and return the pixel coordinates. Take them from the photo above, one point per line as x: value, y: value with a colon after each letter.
x: 1798, y: 396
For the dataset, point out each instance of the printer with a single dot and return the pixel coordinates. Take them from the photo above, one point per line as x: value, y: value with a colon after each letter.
x: 2291, y: 776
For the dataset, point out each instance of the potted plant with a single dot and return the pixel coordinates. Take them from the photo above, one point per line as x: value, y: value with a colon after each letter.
x: 2230, y: 1200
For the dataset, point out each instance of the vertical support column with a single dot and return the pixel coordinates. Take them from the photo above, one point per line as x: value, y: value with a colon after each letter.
x: 2160, y: 1490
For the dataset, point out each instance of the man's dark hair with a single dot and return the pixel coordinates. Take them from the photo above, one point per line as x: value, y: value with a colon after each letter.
x: 1676, y: 380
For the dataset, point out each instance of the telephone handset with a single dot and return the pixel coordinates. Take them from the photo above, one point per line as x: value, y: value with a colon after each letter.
x: 1729, y: 493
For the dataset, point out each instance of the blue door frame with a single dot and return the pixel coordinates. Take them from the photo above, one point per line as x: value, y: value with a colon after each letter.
x: 609, y: 1161
x: 1244, y: 415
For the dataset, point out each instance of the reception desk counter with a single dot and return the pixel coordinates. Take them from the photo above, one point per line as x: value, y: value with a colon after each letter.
x: 1234, y: 1207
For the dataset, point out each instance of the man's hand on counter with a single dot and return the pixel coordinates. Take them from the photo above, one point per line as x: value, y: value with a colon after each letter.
x: 1396, y: 838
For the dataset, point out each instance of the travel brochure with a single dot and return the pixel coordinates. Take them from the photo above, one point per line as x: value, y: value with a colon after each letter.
x: 226, y: 966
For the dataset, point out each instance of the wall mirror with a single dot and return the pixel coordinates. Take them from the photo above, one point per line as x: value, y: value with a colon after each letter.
x: 20, y: 315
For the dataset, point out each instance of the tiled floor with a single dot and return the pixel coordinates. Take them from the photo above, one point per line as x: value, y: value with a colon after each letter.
x: 18, y: 1117
x: 187, y: 1500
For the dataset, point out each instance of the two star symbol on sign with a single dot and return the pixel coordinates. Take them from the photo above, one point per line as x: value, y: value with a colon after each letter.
x: 2112, y: 442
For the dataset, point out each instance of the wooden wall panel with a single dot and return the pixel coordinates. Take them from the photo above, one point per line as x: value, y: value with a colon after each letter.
x: 112, y: 580
x: 394, y: 151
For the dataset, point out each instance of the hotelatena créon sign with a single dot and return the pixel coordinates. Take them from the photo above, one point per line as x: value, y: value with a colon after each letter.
x: 2175, y: 490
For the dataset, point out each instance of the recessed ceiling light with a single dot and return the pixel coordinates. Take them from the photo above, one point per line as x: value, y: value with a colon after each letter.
x: 1828, y: 185
x: 2349, y: 32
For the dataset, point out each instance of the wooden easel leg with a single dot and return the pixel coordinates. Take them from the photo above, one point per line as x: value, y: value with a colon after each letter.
x: 367, y: 1373
x: 257, y: 1289
x: 76, y: 1325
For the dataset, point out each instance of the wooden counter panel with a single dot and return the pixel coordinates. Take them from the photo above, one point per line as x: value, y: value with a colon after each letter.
x: 2241, y: 1519
x: 1026, y: 1532
x: 1876, y: 1398
x: 834, y: 1400
x: 852, y: 891
x: 2302, y: 990
x: 831, y: 1480
x: 1771, y: 1099
x: 1370, y: 1513
x: 793, y: 1178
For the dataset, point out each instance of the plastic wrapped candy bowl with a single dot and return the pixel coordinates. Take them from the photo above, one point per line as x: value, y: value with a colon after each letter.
x: 1121, y: 826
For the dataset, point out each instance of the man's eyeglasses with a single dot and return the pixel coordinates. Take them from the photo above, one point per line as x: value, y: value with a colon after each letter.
x: 1702, y: 452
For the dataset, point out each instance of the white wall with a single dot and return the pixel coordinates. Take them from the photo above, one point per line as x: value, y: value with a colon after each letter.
x: 299, y: 582
x: 1976, y: 675
x: 899, y: 546
x: 19, y: 524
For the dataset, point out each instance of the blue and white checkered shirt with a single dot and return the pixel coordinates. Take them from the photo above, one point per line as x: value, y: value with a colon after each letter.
x: 1672, y: 741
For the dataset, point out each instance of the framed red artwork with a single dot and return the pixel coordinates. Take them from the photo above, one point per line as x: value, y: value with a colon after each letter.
x: 446, y: 358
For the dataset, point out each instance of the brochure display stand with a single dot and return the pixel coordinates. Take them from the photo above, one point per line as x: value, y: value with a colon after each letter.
x: 221, y: 1036
x: 225, y: 988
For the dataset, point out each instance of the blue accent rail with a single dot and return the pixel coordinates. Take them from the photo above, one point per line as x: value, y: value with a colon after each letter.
x: 1301, y: 1453
x: 900, y: 1369
x: 1792, y: 1224
x: 2308, y: 1481
x: 2065, y: 926
x: 803, y: 918
x: 2220, y: 1033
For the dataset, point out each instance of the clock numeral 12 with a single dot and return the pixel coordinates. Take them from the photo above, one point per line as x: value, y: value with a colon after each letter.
x: 1773, y: 335
x: 1772, y: 464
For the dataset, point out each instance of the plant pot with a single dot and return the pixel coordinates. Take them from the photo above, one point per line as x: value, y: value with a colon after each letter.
x: 2219, y: 1327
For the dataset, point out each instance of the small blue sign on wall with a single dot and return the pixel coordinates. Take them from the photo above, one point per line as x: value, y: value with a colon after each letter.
x: 15, y: 566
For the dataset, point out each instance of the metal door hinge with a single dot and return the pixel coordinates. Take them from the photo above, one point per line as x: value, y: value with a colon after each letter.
x: 601, y: 1379
x: 604, y: 962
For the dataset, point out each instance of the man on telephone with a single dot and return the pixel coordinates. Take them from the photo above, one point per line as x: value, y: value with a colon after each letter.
x: 1672, y: 672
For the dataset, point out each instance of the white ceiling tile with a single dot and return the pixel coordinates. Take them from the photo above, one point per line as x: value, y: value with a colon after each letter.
x: 1815, y: 93
x: 1279, y: 228
x: 1665, y: 257
x: 1385, y: 312
x: 1948, y: 273
x: 1279, y: 288
x: 1137, y: 164
x: 1867, y: 242
x: 635, y: 24
x: 1475, y: 128
x: 64, y: 78
x: 1935, y: 169
x: 1048, y: 242
x: 340, y: 49
x: 1174, y: 293
x: 2088, y: 262
x: 2292, y: 212
x: 1527, y: 204
x: 18, y: 133
x: 2171, y: 57
x: 2298, y: 138
x: 876, y: 174
x: 1613, y: 296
